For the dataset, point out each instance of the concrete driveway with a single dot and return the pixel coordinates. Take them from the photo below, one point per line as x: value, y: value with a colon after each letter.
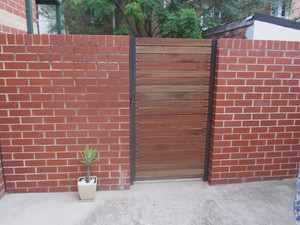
x: 160, y: 203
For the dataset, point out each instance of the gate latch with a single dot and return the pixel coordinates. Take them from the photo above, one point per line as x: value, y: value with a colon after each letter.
x: 132, y: 101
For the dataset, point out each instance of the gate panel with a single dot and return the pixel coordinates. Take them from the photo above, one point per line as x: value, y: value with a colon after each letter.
x: 172, y: 85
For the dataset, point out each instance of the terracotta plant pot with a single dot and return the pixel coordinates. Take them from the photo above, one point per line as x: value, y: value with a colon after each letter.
x: 87, y: 191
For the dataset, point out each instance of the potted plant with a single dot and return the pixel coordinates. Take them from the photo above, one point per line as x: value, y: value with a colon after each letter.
x: 87, y: 185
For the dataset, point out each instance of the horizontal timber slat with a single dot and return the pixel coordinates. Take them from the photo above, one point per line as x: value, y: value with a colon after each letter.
x: 200, y: 58
x: 168, y: 173
x: 170, y: 73
x: 171, y: 111
x: 175, y: 132
x: 168, y: 166
x: 174, y: 139
x: 159, y: 176
x: 173, y: 41
x: 158, y: 104
x: 173, y: 81
x: 176, y: 159
x: 154, y: 147
x: 167, y: 154
x: 174, y: 125
x: 171, y: 96
x: 171, y: 65
x: 172, y: 50
x: 172, y: 88
x: 171, y: 119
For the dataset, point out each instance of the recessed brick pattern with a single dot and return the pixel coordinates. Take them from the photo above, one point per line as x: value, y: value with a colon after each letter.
x: 59, y: 94
x: 256, y: 126
x: 16, y: 8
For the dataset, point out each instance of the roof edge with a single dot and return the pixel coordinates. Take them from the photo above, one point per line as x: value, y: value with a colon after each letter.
x: 276, y: 20
x: 245, y: 22
x: 248, y: 21
x: 48, y: 2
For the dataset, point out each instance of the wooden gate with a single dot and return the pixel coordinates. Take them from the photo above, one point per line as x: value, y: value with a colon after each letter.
x: 171, y: 106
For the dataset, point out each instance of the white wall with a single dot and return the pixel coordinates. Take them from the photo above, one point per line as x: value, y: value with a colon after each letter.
x: 268, y: 31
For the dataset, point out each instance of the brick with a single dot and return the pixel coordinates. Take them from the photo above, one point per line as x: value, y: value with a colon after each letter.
x: 237, y: 67
x: 31, y: 73
x: 85, y: 49
x: 47, y: 183
x: 14, y: 49
x: 26, y: 57
x: 275, y: 53
x: 256, y: 53
x: 274, y: 68
x: 15, y: 65
x: 265, y: 60
x: 7, y: 57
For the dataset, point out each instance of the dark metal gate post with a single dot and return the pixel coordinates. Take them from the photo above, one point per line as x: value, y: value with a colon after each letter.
x: 210, y: 108
x: 132, y: 83
x: 2, y: 167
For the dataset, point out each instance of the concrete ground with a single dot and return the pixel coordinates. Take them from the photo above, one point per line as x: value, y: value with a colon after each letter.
x: 160, y: 203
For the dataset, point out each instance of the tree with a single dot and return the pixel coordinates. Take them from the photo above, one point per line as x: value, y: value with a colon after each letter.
x: 142, y: 18
x: 87, y: 16
x: 225, y: 11
x: 183, y: 24
x: 151, y: 18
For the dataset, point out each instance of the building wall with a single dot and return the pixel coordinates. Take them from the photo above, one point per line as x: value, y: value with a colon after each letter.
x: 58, y: 95
x: 268, y: 31
x: 256, y: 127
x: 13, y: 16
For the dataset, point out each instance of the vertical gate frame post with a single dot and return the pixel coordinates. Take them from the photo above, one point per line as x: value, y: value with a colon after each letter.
x: 210, y: 108
x: 2, y: 167
x: 132, y: 89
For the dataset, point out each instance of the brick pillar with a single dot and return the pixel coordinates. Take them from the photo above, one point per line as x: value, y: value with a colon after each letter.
x: 256, y: 127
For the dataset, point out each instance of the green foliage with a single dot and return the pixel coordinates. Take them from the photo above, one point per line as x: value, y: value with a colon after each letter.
x: 134, y: 10
x: 150, y: 18
x: 99, y: 10
x: 87, y: 16
x: 182, y: 24
x: 138, y: 17
x: 89, y: 156
x: 226, y: 11
x: 123, y: 30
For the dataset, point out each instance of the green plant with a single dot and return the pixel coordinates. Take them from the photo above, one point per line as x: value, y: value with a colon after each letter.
x: 88, y: 157
x: 182, y: 24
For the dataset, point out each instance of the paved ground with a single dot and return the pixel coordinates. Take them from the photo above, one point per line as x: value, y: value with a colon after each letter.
x: 178, y: 203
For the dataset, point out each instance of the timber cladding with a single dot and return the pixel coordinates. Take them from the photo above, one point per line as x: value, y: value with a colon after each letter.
x: 172, y: 85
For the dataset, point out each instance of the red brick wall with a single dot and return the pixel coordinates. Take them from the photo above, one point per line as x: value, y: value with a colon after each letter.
x: 15, y: 8
x: 59, y: 94
x: 256, y: 128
